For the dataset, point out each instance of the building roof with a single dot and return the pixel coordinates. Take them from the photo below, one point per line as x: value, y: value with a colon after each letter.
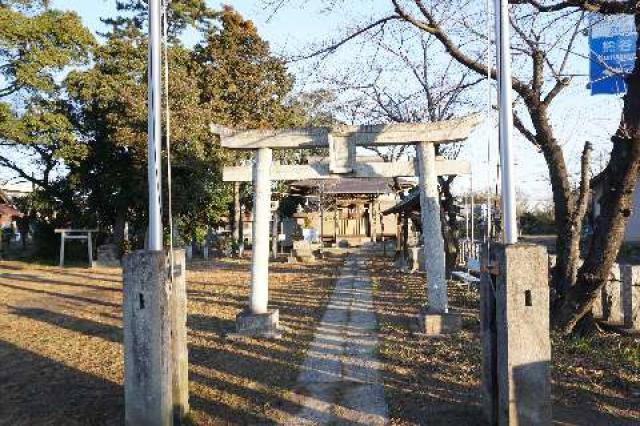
x: 8, y: 210
x: 410, y: 202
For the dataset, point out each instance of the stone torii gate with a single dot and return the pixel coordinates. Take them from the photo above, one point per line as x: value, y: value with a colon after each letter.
x: 342, y: 142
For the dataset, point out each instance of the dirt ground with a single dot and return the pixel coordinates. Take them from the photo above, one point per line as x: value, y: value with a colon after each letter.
x: 61, y: 352
x: 596, y: 381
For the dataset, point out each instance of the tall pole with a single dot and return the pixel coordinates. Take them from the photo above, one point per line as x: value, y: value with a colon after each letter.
x: 472, y: 215
x: 506, y: 124
x: 322, y: 218
x: 154, y: 127
x: 489, y: 125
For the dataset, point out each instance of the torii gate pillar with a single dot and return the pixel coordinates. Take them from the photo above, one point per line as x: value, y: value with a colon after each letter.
x: 436, y: 319
x: 258, y: 320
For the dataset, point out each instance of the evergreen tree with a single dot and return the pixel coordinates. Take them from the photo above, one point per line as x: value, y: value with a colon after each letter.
x: 38, y: 45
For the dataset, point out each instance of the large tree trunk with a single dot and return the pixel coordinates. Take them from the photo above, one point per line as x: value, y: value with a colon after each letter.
x: 564, y: 204
x: 119, y: 226
x: 621, y: 176
x: 449, y: 219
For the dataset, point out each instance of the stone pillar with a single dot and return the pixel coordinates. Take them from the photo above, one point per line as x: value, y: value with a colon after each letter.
x: 274, y: 235
x: 237, y: 222
x: 398, y: 234
x: 630, y: 275
x: 179, y: 351
x: 516, y: 362
x: 147, y: 339
x: 258, y: 320
x: 241, y: 235
x: 489, y: 344
x: 374, y: 222
x: 261, y: 214
x: 436, y: 319
x: 405, y: 238
x: 335, y: 225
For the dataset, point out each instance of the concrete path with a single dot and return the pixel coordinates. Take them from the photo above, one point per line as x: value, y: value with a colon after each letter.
x: 340, y: 381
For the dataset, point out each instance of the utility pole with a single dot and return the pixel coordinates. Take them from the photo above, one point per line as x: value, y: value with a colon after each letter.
x: 510, y: 225
x: 154, y: 127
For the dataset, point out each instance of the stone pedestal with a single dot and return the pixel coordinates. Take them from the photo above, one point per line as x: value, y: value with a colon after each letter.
x: 147, y: 339
x: 515, y: 336
x: 108, y: 255
x: 302, y: 251
x: 258, y: 325
x: 439, y: 324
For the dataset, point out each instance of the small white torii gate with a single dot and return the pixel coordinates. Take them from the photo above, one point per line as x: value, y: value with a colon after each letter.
x: 342, y: 142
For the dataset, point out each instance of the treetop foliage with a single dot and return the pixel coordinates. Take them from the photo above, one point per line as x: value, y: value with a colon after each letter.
x: 84, y: 127
x: 36, y: 46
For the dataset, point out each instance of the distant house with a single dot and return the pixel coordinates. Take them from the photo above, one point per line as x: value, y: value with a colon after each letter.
x: 8, y: 213
x: 632, y: 231
x: 17, y: 190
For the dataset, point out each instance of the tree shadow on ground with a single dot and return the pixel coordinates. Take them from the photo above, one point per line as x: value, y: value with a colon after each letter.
x: 87, y: 327
x: 47, y: 392
x: 243, y: 381
x: 432, y: 380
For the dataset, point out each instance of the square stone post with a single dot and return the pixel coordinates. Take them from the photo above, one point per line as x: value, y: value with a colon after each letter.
x: 179, y: 350
x: 147, y: 339
x: 258, y: 320
x: 630, y: 275
x: 515, y: 333
x: 436, y: 320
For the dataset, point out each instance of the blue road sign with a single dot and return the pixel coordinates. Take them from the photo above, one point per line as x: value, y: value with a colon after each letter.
x: 612, y: 45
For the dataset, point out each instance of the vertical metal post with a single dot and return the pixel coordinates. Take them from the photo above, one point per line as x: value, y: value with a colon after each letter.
x: 472, y: 216
x: 154, y: 127
x: 322, y: 218
x: 90, y: 249
x: 506, y: 123
x: 62, y: 235
x: 489, y: 123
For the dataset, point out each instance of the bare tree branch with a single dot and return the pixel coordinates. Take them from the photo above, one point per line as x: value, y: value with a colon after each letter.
x: 605, y: 7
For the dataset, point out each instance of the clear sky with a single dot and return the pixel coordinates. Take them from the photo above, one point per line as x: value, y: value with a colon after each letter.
x: 293, y: 29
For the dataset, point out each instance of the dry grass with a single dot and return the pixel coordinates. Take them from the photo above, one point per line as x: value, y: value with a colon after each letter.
x: 437, y: 381
x: 61, y: 351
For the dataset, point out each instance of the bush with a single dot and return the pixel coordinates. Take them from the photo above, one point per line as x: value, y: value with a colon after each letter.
x: 46, y: 245
x: 537, y: 223
x: 46, y: 242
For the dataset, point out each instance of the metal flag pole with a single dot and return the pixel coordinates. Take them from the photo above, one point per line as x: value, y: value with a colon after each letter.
x: 506, y: 124
x: 154, y: 127
x: 489, y: 127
